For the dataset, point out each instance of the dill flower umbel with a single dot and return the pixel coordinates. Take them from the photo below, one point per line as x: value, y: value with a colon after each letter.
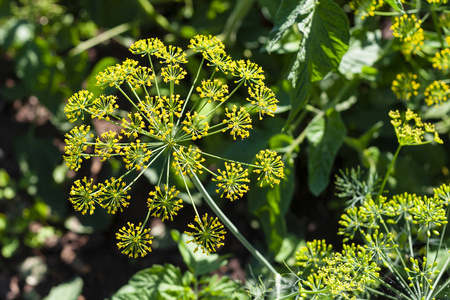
x: 365, y: 8
x: 437, y: 93
x: 405, y: 86
x: 163, y: 125
x: 311, y: 256
x: 232, y: 181
x: 82, y: 195
x: 271, y: 167
x: 208, y: 234
x: 441, y: 60
x: 135, y: 240
x: 407, y: 29
x: 410, y: 129
x: 164, y: 203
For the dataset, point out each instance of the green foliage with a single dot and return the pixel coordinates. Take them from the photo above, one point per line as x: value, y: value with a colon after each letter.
x: 325, y: 37
x: 69, y: 290
x: 196, y: 262
x: 346, y: 68
x: 168, y: 282
x: 16, y: 224
x: 323, y: 152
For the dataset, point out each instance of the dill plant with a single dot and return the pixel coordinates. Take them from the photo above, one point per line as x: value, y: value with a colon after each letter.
x: 394, y: 246
x: 164, y: 125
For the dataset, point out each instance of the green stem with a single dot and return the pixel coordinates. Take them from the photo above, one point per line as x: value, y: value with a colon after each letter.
x: 374, y: 291
x: 396, y: 13
x: 102, y: 37
x: 129, y: 99
x: 436, y: 25
x: 192, y: 200
x: 389, y: 171
x: 231, y: 226
x: 235, y: 20
x: 229, y: 160
x: 442, y: 236
x: 191, y: 90
x: 424, y: 74
x: 156, y: 79
x: 394, y: 270
x: 438, y: 278
x: 301, y: 137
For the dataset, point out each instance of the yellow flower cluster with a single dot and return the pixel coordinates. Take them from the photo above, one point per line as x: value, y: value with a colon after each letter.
x: 438, y: 2
x: 163, y: 125
x: 365, y: 8
x: 437, y: 93
x: 410, y: 130
x: 441, y: 60
x: 76, y: 144
x: 135, y: 241
x: 208, y: 234
x: 405, y: 86
x: 271, y: 167
x: 310, y: 257
x: 232, y: 181
x: 111, y: 195
x: 164, y: 203
x: 407, y: 29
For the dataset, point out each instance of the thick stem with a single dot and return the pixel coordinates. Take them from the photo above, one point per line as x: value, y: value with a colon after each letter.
x: 232, y: 227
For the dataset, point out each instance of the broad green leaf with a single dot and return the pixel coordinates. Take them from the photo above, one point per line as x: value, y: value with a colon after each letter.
x: 10, y: 246
x: 76, y: 68
x: 4, y: 178
x: 301, y: 89
x: 280, y: 140
x: 287, y: 15
x: 321, y: 156
x: 139, y: 295
x: 170, y: 291
x: 271, y: 6
x: 361, y: 143
x: 221, y: 288
x: 363, y: 52
x: 325, y: 29
x: 290, y: 245
x: 326, y: 37
x: 41, y: 159
x: 156, y: 282
x: 68, y: 291
x: 37, y: 66
x: 316, y: 130
x: 15, y: 33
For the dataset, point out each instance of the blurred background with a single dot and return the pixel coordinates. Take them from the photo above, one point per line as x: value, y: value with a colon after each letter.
x: 51, y: 49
